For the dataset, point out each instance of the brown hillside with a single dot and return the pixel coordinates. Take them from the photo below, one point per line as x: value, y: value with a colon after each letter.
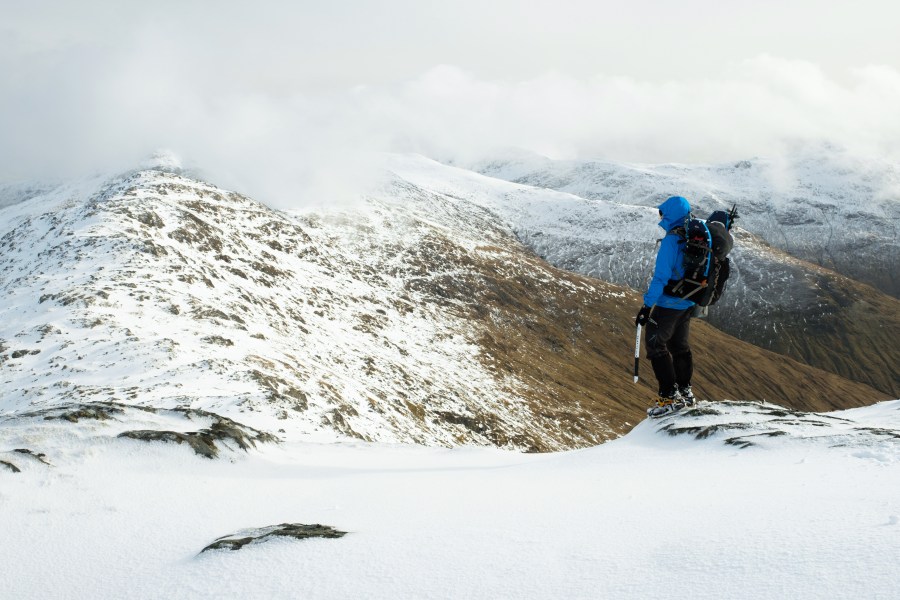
x: 815, y: 316
x: 571, y: 339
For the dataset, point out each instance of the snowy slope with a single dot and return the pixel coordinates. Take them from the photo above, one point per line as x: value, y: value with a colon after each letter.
x: 682, y: 507
x: 166, y: 292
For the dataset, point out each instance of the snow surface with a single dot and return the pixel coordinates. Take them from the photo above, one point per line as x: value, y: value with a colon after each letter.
x: 812, y: 513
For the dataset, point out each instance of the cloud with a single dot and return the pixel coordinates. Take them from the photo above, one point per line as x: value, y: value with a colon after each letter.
x: 755, y: 109
x: 255, y: 125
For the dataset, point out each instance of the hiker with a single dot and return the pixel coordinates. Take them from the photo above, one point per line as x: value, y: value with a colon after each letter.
x: 667, y: 318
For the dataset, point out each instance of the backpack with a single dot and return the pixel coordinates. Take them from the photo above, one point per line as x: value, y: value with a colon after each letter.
x: 705, y: 258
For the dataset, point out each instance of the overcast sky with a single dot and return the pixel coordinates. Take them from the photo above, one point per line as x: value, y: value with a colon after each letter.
x: 298, y: 85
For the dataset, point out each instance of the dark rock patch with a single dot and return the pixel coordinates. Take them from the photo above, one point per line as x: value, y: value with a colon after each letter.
x: 739, y: 442
x: 280, y: 391
x: 298, y: 531
x: 783, y: 413
x: 10, y: 466
x: 775, y: 433
x: 39, y: 456
x: 701, y: 411
x: 880, y: 431
x: 203, y: 442
x: 701, y: 432
x: 100, y: 411
x: 742, y: 441
x: 800, y: 422
x: 150, y: 219
x: 218, y: 340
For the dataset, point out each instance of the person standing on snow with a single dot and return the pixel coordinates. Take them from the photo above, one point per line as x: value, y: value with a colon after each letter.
x: 666, y: 318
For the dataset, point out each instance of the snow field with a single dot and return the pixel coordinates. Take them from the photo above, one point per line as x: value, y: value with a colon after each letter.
x: 647, y: 515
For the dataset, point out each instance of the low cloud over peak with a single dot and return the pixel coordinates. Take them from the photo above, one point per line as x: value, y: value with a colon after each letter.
x: 264, y: 127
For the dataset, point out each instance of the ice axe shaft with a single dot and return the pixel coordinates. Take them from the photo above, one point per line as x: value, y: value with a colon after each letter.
x: 637, y: 352
x: 637, y: 344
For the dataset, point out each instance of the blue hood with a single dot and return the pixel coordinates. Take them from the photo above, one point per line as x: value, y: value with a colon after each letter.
x: 674, y: 211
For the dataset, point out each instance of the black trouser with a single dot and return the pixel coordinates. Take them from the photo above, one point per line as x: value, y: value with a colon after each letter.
x: 668, y: 349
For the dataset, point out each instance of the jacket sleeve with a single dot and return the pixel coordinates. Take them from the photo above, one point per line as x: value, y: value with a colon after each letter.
x: 664, y: 269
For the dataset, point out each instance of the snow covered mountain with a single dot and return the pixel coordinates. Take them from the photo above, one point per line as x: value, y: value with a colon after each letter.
x: 820, y: 204
x: 416, y: 316
x: 164, y: 291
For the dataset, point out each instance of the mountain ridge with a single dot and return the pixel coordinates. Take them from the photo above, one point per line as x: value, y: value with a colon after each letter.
x: 416, y: 317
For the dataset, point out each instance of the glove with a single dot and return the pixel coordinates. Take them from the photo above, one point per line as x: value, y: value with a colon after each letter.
x: 643, y: 316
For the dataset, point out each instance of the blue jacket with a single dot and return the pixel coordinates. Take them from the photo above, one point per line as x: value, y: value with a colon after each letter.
x: 669, y: 257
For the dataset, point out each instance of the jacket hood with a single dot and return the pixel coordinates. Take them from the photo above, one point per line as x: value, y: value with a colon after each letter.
x: 674, y: 210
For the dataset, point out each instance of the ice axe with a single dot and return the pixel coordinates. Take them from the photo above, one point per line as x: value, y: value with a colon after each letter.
x: 637, y: 345
x: 637, y: 352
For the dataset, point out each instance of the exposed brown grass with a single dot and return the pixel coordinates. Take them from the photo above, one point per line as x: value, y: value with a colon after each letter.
x: 570, y: 339
x: 853, y: 333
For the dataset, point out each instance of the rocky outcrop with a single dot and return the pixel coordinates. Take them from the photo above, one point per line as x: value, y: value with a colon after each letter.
x: 15, y: 460
x: 206, y: 441
x: 296, y: 531
x: 205, y: 432
x: 751, y: 424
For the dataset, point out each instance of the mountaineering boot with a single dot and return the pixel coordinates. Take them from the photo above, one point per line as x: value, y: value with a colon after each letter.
x: 666, y: 404
x: 687, y: 396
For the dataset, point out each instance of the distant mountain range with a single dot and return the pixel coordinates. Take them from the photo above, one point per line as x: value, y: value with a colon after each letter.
x: 426, y: 313
x: 820, y: 204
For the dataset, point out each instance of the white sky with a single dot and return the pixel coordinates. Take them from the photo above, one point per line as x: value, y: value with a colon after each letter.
x: 280, y: 82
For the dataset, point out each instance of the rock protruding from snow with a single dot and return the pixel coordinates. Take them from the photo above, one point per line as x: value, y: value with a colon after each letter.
x: 15, y: 460
x: 207, y: 433
x: 205, y: 442
x: 747, y: 424
x: 297, y: 531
